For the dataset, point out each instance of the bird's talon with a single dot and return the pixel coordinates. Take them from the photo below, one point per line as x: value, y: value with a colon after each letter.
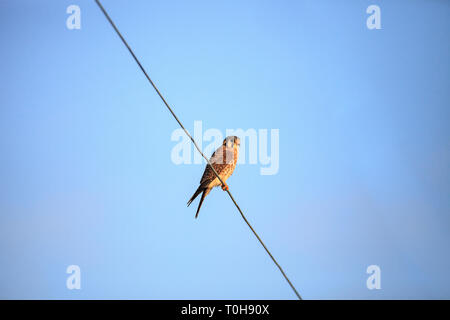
x: 225, y: 187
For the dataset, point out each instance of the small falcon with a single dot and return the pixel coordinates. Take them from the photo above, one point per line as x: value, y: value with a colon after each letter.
x: 223, y: 161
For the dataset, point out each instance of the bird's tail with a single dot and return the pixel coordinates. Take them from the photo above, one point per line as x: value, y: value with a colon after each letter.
x: 199, y: 190
x: 205, y: 192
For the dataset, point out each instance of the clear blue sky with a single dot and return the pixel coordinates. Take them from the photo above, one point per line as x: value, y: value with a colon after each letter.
x: 86, y: 176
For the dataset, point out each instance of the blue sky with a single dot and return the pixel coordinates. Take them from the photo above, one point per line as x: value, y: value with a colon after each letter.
x: 86, y: 176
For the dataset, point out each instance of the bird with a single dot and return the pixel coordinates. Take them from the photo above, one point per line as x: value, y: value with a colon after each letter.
x: 223, y: 160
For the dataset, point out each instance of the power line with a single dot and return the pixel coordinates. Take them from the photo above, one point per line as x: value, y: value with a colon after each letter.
x: 195, y: 144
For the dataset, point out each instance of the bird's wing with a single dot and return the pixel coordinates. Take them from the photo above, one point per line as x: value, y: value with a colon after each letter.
x: 220, y: 159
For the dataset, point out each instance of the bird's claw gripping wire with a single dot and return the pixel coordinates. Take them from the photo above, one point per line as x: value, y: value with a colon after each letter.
x: 225, y: 187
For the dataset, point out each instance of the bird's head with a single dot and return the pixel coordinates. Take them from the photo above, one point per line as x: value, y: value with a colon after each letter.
x: 232, y: 142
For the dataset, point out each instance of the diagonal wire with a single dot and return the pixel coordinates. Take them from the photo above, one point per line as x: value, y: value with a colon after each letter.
x: 195, y: 144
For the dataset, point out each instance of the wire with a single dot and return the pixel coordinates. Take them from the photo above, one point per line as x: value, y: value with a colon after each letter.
x: 195, y: 144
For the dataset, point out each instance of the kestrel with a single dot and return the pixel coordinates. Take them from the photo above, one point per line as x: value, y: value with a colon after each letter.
x: 223, y: 161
